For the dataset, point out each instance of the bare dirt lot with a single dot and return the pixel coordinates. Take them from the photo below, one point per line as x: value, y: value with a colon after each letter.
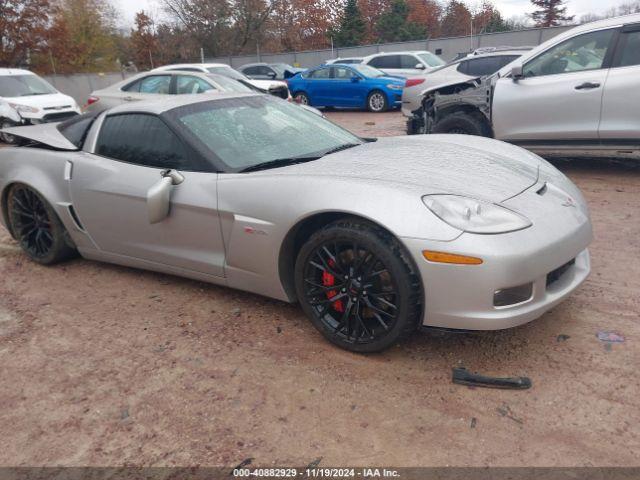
x: 103, y: 366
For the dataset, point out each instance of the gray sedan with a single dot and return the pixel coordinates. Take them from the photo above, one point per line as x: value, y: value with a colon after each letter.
x: 372, y: 238
x: 155, y: 85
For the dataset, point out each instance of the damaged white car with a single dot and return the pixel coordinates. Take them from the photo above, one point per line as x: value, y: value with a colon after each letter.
x: 27, y: 99
x: 575, y: 95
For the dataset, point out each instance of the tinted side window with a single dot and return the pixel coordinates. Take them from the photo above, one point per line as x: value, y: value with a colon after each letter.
x: 141, y: 139
x: 408, y: 61
x: 250, y: 71
x: 386, y: 61
x: 265, y: 71
x: 463, y: 67
x: 480, y: 67
x: 629, y: 50
x: 76, y: 128
x: 580, y: 53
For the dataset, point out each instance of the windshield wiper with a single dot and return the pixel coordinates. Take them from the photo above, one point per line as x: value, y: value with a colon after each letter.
x: 339, y: 148
x: 279, y: 162
x: 282, y: 162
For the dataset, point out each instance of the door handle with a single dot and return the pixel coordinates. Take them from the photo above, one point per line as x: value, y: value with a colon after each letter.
x: 587, y: 86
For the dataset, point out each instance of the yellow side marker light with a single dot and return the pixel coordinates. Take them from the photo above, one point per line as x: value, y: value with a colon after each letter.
x: 443, y: 257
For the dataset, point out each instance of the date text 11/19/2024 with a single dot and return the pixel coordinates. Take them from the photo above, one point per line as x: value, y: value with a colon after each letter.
x: 315, y: 473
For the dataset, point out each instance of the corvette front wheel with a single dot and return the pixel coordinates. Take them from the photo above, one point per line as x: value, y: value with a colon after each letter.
x: 357, y: 287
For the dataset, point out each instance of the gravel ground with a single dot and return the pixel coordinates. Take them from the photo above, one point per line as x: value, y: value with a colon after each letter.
x: 104, y: 366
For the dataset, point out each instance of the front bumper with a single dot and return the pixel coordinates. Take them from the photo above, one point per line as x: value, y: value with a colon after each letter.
x: 462, y: 296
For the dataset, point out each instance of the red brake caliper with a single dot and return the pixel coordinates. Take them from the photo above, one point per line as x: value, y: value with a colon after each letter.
x: 329, y: 280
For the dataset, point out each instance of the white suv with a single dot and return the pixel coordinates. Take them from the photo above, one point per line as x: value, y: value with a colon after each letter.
x: 577, y: 94
x: 27, y: 99
x: 404, y: 64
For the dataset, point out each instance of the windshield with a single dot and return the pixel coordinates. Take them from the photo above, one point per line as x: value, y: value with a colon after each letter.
x: 368, y: 71
x: 247, y: 131
x: 24, y: 86
x: 431, y: 59
x: 227, y: 72
x: 229, y: 84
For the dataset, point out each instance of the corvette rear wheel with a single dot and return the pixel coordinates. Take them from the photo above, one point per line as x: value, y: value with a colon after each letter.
x: 357, y: 287
x: 37, y: 227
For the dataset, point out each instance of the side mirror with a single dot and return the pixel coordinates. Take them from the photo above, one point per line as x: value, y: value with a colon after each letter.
x: 420, y: 66
x: 271, y: 75
x: 517, y: 72
x: 355, y: 79
x: 159, y: 196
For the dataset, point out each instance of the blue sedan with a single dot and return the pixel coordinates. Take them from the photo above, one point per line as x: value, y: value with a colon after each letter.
x: 355, y: 86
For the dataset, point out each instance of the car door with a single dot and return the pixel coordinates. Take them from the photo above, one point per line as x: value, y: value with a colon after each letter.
x: 346, y: 91
x: 109, y: 186
x: 319, y: 86
x: 559, y: 96
x: 621, y: 101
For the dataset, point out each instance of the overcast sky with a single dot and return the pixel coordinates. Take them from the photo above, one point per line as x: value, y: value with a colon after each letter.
x: 508, y: 8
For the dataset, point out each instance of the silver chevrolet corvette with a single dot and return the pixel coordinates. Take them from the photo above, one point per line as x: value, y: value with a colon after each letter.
x: 373, y: 238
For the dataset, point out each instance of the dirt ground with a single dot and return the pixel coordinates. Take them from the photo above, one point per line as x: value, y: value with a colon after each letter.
x: 104, y: 366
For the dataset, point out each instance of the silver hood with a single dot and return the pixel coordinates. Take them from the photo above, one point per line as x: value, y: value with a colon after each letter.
x: 459, y: 164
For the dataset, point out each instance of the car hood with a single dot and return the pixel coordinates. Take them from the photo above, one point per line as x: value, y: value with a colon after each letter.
x: 457, y: 164
x: 53, y: 100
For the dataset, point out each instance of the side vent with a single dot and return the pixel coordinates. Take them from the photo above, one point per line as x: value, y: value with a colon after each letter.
x: 76, y: 220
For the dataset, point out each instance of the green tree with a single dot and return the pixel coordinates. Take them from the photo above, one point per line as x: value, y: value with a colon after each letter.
x: 352, y: 28
x: 393, y: 25
x: 550, y: 13
x: 456, y: 20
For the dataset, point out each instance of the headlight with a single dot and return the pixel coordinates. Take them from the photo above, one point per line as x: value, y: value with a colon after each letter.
x: 474, y: 216
x: 394, y: 87
x: 23, y: 108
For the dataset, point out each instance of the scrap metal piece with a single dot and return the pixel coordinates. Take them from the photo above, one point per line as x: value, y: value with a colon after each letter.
x: 463, y: 377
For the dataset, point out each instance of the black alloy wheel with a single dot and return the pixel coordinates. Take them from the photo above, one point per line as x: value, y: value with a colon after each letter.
x: 356, y: 287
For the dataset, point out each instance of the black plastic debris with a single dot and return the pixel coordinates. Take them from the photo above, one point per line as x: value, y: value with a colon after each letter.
x: 462, y: 376
x: 562, y: 338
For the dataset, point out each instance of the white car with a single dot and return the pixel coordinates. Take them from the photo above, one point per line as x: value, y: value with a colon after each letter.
x: 27, y: 99
x: 274, y: 87
x: 474, y: 66
x: 344, y: 61
x: 404, y: 64
x: 575, y: 95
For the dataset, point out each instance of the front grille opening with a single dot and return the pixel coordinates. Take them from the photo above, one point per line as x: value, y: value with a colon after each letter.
x: 512, y: 296
x: 554, y: 276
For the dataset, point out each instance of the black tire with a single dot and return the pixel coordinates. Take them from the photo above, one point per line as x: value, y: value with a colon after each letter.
x: 364, y: 301
x: 377, y: 102
x: 37, y: 227
x: 302, y: 98
x: 5, y: 137
x: 463, y: 123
